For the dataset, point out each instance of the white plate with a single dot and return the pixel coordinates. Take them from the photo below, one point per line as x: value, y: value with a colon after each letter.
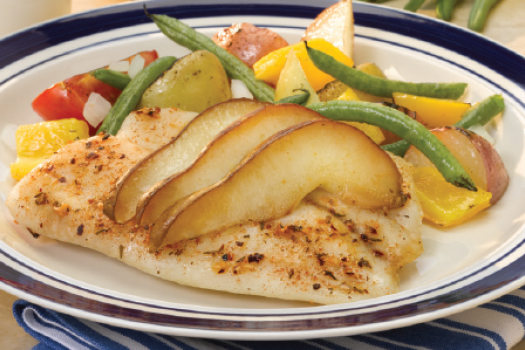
x: 461, y: 267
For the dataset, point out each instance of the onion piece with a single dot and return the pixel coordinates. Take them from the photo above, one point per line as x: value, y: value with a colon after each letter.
x: 136, y: 65
x: 96, y: 109
x: 392, y: 74
x: 8, y: 136
x: 240, y: 90
x: 481, y: 131
x: 121, y: 66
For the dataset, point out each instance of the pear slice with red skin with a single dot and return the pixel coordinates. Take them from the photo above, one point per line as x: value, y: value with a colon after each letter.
x: 173, y: 157
x: 273, y: 179
x: 221, y: 156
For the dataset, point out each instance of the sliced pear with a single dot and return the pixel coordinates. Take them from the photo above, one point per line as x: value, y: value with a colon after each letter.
x: 336, y: 25
x: 272, y: 180
x: 221, y: 156
x: 173, y: 157
x: 292, y: 80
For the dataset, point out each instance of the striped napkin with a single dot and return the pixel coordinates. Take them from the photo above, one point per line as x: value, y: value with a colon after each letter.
x: 496, y: 325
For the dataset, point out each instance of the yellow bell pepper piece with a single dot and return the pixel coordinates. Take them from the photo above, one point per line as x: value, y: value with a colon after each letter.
x: 371, y: 131
x: 37, y: 142
x: 443, y: 203
x: 349, y: 95
x: 432, y: 112
x: 270, y: 66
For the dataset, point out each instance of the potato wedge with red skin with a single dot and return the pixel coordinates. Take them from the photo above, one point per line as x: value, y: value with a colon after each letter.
x: 336, y: 25
x: 271, y: 181
x: 248, y: 42
x: 221, y: 156
x: 175, y: 156
x: 481, y: 161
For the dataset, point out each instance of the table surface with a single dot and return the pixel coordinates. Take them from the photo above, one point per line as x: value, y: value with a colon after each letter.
x: 505, y: 25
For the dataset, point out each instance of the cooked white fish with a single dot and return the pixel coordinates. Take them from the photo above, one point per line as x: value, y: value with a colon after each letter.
x: 324, y: 251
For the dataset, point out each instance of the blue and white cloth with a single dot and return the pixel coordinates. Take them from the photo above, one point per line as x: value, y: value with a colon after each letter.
x: 496, y: 325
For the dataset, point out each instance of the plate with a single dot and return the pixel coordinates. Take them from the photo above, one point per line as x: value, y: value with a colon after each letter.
x: 461, y: 267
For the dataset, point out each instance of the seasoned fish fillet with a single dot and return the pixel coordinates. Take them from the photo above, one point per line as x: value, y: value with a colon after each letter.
x: 324, y: 251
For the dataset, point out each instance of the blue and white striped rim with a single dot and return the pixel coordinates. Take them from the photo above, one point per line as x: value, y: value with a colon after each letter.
x: 496, y: 277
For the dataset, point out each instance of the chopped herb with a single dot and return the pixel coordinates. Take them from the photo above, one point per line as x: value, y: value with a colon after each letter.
x: 41, y: 198
x: 102, y: 230
x: 255, y: 257
x: 322, y: 258
x: 316, y: 286
x: 329, y: 273
x: 34, y: 234
x: 80, y: 229
x: 218, y: 251
x: 364, y: 263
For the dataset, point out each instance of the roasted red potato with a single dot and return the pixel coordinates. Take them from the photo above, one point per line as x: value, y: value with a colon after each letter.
x: 248, y: 42
x: 478, y: 157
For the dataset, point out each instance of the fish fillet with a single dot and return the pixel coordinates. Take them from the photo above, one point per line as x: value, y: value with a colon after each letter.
x: 324, y: 251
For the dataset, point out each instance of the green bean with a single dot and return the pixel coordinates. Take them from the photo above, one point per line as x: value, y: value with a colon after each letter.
x: 300, y: 99
x: 378, y: 86
x: 479, y: 13
x: 130, y: 96
x: 480, y: 114
x: 483, y: 112
x: 193, y: 40
x: 444, y: 9
x: 113, y: 78
x: 403, y: 126
x: 413, y: 5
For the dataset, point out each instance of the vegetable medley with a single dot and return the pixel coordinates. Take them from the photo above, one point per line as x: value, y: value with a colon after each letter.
x: 457, y: 173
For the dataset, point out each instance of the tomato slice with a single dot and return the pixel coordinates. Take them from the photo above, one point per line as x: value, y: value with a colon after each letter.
x: 67, y: 98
